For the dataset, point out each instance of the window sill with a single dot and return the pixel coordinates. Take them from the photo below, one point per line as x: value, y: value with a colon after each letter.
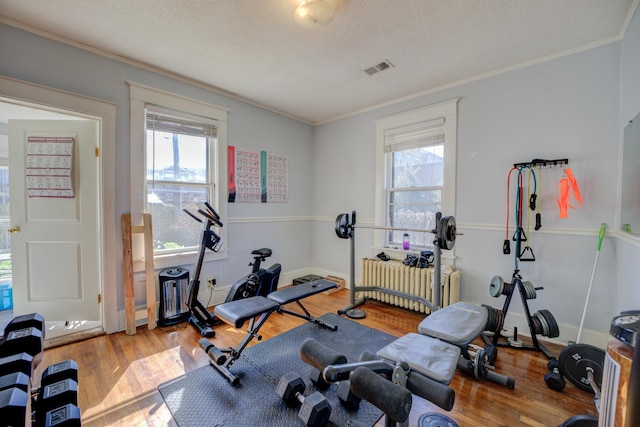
x: 178, y: 259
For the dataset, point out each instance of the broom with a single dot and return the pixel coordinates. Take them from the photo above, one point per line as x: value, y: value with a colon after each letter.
x: 593, y: 273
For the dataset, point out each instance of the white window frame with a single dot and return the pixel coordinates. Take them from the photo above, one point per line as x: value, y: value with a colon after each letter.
x: 139, y: 97
x: 445, y: 110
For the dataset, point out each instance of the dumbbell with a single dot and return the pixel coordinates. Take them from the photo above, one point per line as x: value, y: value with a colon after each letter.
x: 314, y: 411
x: 33, y: 320
x: 63, y: 416
x: 346, y: 397
x: 21, y: 362
x: 58, y: 388
x: 28, y: 340
x: 59, y: 371
x: 554, y: 378
x: 24, y: 334
x: 15, y: 407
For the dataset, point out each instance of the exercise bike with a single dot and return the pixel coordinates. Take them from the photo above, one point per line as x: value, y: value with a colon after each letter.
x: 259, y: 282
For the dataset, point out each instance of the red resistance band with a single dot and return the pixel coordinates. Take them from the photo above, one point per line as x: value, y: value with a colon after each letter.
x: 567, y: 183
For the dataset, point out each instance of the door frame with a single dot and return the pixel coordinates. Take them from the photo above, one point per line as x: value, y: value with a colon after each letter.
x: 42, y: 97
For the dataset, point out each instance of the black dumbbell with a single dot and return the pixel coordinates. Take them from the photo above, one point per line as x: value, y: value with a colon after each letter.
x: 33, y: 320
x: 346, y: 397
x: 57, y: 394
x: 314, y: 411
x: 21, y: 362
x: 554, y: 378
x: 25, y: 340
x: 64, y: 416
x: 59, y: 371
x: 16, y: 379
x: 15, y: 407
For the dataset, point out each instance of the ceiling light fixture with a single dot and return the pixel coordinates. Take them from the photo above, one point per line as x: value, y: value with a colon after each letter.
x: 313, y: 13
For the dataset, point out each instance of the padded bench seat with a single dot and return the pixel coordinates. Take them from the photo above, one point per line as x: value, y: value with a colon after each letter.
x: 239, y: 311
x: 459, y: 324
x: 431, y: 357
x: 298, y: 292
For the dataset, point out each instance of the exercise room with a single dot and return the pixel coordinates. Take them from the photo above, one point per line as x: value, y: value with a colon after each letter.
x: 320, y: 213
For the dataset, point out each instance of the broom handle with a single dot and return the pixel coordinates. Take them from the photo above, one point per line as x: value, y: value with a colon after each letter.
x: 593, y: 273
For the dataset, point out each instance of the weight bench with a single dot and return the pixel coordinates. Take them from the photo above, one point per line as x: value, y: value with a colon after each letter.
x: 447, y: 331
x: 423, y: 363
x: 257, y: 310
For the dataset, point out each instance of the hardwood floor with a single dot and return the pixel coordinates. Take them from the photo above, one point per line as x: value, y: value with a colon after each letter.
x: 119, y: 374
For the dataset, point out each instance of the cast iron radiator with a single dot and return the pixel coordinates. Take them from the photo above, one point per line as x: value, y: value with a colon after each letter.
x: 409, y: 280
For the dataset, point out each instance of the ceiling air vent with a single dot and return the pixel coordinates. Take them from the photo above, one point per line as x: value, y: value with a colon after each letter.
x: 379, y: 67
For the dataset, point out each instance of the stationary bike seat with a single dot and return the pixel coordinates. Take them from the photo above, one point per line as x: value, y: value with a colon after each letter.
x: 263, y: 252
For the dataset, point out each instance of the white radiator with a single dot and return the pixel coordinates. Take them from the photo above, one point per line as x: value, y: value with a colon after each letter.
x: 409, y: 280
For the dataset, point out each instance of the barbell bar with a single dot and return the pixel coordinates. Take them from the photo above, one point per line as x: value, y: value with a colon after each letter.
x: 445, y: 231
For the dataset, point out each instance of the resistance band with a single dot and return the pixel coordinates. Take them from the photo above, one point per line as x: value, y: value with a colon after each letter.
x: 565, y: 186
x: 506, y: 246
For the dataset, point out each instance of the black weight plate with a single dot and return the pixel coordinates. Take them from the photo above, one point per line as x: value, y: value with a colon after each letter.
x: 489, y: 325
x: 342, y: 226
x: 554, y: 330
x: 574, y: 361
x: 581, y: 421
x: 433, y: 419
x: 496, y: 286
x: 447, y: 232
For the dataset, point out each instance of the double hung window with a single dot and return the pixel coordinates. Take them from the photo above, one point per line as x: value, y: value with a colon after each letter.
x: 417, y: 165
x: 179, y: 157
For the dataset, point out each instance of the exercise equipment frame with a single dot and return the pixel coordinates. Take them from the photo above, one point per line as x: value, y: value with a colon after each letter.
x: 445, y: 233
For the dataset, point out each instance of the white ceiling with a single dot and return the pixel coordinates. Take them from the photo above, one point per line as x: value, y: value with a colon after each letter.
x: 254, y: 50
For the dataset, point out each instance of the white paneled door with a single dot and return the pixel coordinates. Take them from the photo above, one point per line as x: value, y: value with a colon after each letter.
x: 55, y: 225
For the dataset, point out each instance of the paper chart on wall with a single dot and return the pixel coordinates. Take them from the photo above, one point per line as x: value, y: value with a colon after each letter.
x: 247, y: 176
x: 257, y: 176
x: 277, y: 179
x: 49, y: 167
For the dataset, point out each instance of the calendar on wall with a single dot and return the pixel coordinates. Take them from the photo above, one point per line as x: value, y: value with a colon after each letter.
x: 257, y: 177
x: 49, y: 167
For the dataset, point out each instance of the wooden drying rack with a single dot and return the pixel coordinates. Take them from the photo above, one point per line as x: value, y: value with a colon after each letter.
x: 149, y: 272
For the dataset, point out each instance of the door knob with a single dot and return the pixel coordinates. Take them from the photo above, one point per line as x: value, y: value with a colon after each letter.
x: 14, y: 230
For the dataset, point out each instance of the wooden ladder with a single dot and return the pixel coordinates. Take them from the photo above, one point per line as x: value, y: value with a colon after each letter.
x: 149, y: 272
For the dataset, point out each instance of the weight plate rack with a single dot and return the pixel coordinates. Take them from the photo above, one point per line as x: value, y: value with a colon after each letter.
x: 541, y: 322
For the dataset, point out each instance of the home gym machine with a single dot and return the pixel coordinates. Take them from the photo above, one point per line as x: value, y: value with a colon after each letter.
x: 445, y: 233
x: 448, y: 332
x: 259, y: 282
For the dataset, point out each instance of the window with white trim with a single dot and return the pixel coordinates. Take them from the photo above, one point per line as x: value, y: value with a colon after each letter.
x: 416, y: 170
x: 178, y: 159
x: 180, y: 151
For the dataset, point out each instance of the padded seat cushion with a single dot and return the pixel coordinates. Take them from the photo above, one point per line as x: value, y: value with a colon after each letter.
x: 239, y: 311
x: 458, y: 324
x: 431, y: 357
x: 294, y: 293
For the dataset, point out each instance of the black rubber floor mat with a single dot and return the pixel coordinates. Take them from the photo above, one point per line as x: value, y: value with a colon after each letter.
x: 204, y: 398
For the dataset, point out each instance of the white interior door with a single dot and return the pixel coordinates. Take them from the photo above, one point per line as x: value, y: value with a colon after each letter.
x: 55, y: 243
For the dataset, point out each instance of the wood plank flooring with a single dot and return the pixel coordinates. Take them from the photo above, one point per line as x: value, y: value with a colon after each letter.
x: 119, y: 374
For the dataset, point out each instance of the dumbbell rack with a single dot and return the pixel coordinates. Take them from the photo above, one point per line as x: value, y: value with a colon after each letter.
x: 516, y: 282
x: 55, y: 402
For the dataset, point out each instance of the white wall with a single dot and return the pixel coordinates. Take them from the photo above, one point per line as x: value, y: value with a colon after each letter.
x: 281, y: 227
x: 563, y: 108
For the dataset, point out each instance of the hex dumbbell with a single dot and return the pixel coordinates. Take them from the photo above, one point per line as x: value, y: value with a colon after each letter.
x: 346, y: 397
x: 15, y: 407
x: 59, y: 371
x: 314, y: 411
x: 63, y: 416
x: 554, y: 378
